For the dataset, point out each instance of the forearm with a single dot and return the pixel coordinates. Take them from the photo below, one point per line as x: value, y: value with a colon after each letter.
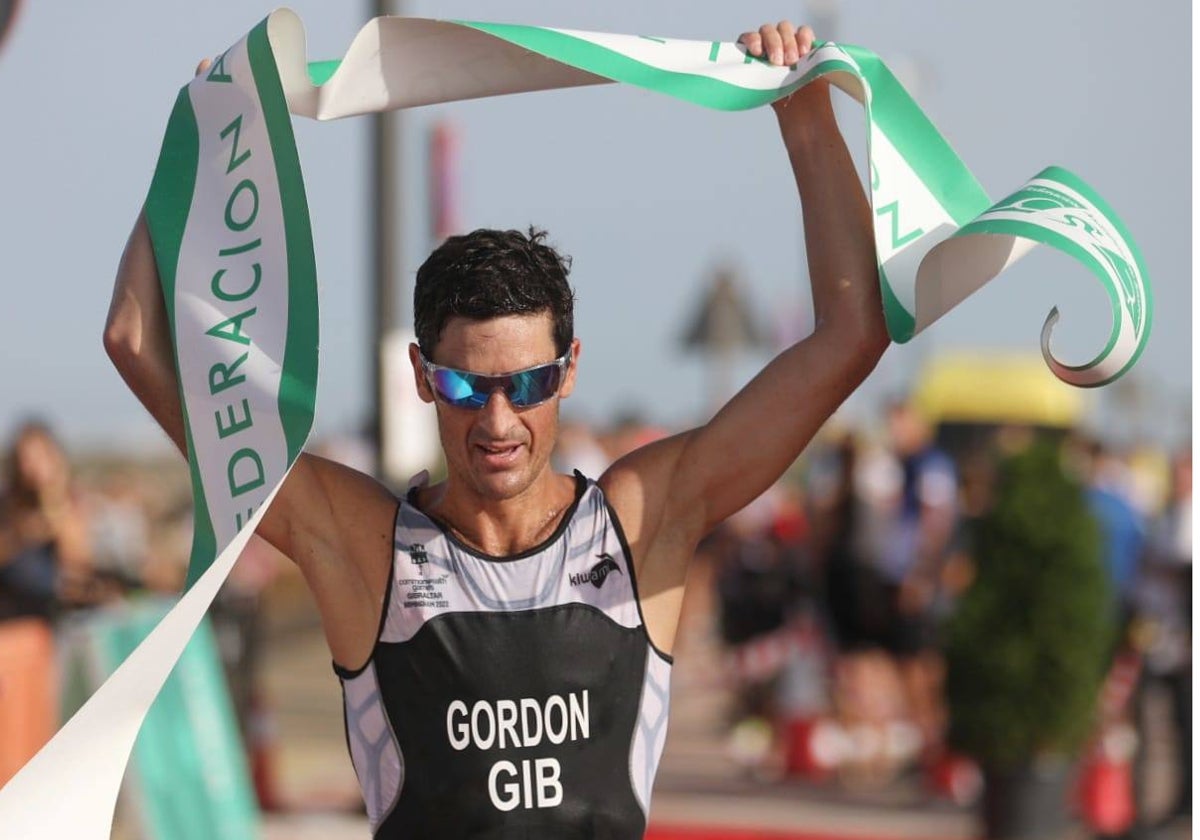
x: 137, y: 335
x: 838, y: 232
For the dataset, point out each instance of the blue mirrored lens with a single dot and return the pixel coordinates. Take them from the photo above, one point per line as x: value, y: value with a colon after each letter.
x: 533, y: 386
x: 472, y: 390
x: 456, y: 387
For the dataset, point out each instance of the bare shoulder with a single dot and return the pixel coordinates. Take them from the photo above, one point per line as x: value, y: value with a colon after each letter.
x: 661, y: 526
x: 639, y: 488
x: 336, y: 524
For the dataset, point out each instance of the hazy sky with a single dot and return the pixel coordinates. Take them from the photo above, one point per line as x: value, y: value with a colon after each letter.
x: 644, y: 192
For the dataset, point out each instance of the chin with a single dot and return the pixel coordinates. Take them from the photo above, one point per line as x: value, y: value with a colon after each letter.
x: 503, y: 485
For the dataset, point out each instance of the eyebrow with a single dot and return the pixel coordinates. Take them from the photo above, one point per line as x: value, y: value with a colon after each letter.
x: 555, y: 360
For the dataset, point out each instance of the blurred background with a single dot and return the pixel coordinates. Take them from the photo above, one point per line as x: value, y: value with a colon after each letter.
x: 851, y: 662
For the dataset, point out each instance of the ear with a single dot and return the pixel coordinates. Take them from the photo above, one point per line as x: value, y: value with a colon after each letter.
x: 422, y: 383
x: 572, y: 368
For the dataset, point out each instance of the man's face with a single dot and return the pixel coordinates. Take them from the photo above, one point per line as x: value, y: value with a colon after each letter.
x: 498, y: 450
x: 906, y: 429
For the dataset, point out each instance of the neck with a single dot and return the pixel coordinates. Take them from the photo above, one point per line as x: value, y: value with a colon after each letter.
x: 500, y: 527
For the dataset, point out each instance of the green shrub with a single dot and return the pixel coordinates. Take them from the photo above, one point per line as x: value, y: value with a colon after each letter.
x: 1029, y: 642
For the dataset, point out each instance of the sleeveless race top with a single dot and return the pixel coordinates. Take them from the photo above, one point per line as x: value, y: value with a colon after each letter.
x: 510, y: 697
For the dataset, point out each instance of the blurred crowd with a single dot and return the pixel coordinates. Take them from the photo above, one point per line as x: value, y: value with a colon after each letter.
x: 830, y: 596
x: 88, y: 538
x: 825, y: 601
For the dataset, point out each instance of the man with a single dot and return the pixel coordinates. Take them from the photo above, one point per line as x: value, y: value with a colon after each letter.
x: 911, y: 565
x: 45, y: 560
x: 1164, y: 602
x: 1122, y: 526
x: 503, y: 673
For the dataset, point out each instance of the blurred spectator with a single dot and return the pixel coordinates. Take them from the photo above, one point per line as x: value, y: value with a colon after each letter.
x: 119, y: 530
x: 760, y: 576
x: 1122, y: 527
x: 237, y: 619
x: 762, y: 580
x: 754, y: 586
x: 867, y: 699
x: 853, y: 585
x: 44, y: 555
x: 912, y: 563
x: 977, y: 480
x: 1164, y: 605
x: 44, y: 549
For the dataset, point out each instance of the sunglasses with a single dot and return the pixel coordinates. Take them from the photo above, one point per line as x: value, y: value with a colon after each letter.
x: 523, y: 388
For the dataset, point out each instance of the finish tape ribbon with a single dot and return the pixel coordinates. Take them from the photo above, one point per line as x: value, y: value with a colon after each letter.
x: 230, y: 225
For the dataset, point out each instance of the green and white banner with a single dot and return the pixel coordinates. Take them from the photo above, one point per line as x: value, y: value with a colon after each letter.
x: 188, y: 778
x: 230, y: 226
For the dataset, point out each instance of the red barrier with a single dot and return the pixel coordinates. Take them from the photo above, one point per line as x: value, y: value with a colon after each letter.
x: 684, y: 832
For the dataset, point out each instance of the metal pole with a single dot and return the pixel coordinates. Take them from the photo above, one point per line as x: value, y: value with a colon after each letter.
x: 387, y: 236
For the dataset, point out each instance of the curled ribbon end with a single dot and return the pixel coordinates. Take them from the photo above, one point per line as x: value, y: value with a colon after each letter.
x: 1047, y: 329
x: 1099, y: 371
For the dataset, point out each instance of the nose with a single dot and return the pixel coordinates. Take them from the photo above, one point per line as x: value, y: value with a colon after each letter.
x: 497, y: 415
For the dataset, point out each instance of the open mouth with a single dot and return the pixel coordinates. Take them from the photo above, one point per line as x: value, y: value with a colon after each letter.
x: 498, y: 455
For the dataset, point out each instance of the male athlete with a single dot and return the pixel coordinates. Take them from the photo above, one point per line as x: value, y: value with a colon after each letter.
x: 504, y: 638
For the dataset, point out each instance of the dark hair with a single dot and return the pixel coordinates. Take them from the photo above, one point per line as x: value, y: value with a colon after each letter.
x: 16, y: 485
x: 489, y: 273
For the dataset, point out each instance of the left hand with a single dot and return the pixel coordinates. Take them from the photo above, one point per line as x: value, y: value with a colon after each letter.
x: 782, y: 44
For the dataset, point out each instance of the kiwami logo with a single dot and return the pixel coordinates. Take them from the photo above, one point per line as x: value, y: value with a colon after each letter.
x: 597, y: 574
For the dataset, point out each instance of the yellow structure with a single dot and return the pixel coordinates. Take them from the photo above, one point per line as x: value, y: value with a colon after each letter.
x: 996, y: 389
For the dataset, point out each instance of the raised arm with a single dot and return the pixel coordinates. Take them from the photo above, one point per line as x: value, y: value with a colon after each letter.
x: 137, y: 338
x: 671, y: 493
x: 335, y: 523
x: 773, y: 418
